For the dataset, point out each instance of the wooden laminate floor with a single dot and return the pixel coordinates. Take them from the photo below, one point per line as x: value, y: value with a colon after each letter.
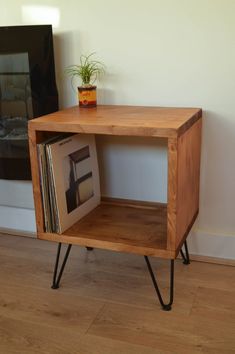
x: 106, y: 304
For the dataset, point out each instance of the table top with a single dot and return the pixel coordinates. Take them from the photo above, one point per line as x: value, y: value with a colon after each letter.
x: 120, y: 120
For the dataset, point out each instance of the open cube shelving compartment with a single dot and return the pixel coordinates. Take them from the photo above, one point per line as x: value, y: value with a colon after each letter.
x: 144, y: 228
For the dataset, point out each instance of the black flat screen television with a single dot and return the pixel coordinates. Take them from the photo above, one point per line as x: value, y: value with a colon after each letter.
x: 27, y: 90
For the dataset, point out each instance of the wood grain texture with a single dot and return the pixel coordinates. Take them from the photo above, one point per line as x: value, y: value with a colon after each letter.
x: 183, y: 184
x: 19, y: 336
x: 188, y: 179
x: 106, y: 304
x: 120, y: 227
x: 172, y: 192
x: 34, y: 138
x: 120, y: 120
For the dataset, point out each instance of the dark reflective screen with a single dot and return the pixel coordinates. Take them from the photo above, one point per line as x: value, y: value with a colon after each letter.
x: 27, y: 90
x: 15, y: 105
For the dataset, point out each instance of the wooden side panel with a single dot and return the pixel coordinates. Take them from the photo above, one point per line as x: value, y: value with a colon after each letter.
x: 33, y: 136
x: 183, y: 184
x: 172, y: 193
x: 188, y: 178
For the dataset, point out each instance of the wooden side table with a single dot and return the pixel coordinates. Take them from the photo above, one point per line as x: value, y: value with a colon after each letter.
x: 145, y: 228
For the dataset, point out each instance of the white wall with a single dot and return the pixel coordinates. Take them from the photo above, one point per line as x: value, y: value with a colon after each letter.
x: 167, y: 53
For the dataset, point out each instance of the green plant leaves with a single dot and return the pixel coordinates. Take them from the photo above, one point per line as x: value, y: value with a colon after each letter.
x: 88, y: 70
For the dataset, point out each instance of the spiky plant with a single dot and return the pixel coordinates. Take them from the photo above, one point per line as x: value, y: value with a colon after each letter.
x: 88, y: 70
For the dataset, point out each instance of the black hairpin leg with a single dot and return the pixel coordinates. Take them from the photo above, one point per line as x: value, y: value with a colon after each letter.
x: 185, y: 256
x: 166, y: 307
x: 56, y: 280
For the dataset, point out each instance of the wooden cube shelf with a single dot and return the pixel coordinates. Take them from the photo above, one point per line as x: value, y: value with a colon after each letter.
x: 142, y: 228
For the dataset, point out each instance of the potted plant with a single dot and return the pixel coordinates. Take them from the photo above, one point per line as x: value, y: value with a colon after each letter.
x: 88, y: 70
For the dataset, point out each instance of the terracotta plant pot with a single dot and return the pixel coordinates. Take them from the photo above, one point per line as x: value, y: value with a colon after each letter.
x: 87, y: 96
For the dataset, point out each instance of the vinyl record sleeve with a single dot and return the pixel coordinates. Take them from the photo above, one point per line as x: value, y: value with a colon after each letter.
x: 74, y: 178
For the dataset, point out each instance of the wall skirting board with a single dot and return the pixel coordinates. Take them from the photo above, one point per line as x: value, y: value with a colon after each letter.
x: 17, y: 221
x: 211, y: 247
x: 203, y: 246
x: 12, y: 232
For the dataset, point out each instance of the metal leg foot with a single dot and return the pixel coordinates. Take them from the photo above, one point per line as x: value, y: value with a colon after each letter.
x: 185, y: 256
x: 89, y: 248
x: 165, y: 307
x: 56, y: 280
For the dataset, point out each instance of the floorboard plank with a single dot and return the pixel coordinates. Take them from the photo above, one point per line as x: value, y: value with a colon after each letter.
x: 106, y: 304
x: 19, y: 336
